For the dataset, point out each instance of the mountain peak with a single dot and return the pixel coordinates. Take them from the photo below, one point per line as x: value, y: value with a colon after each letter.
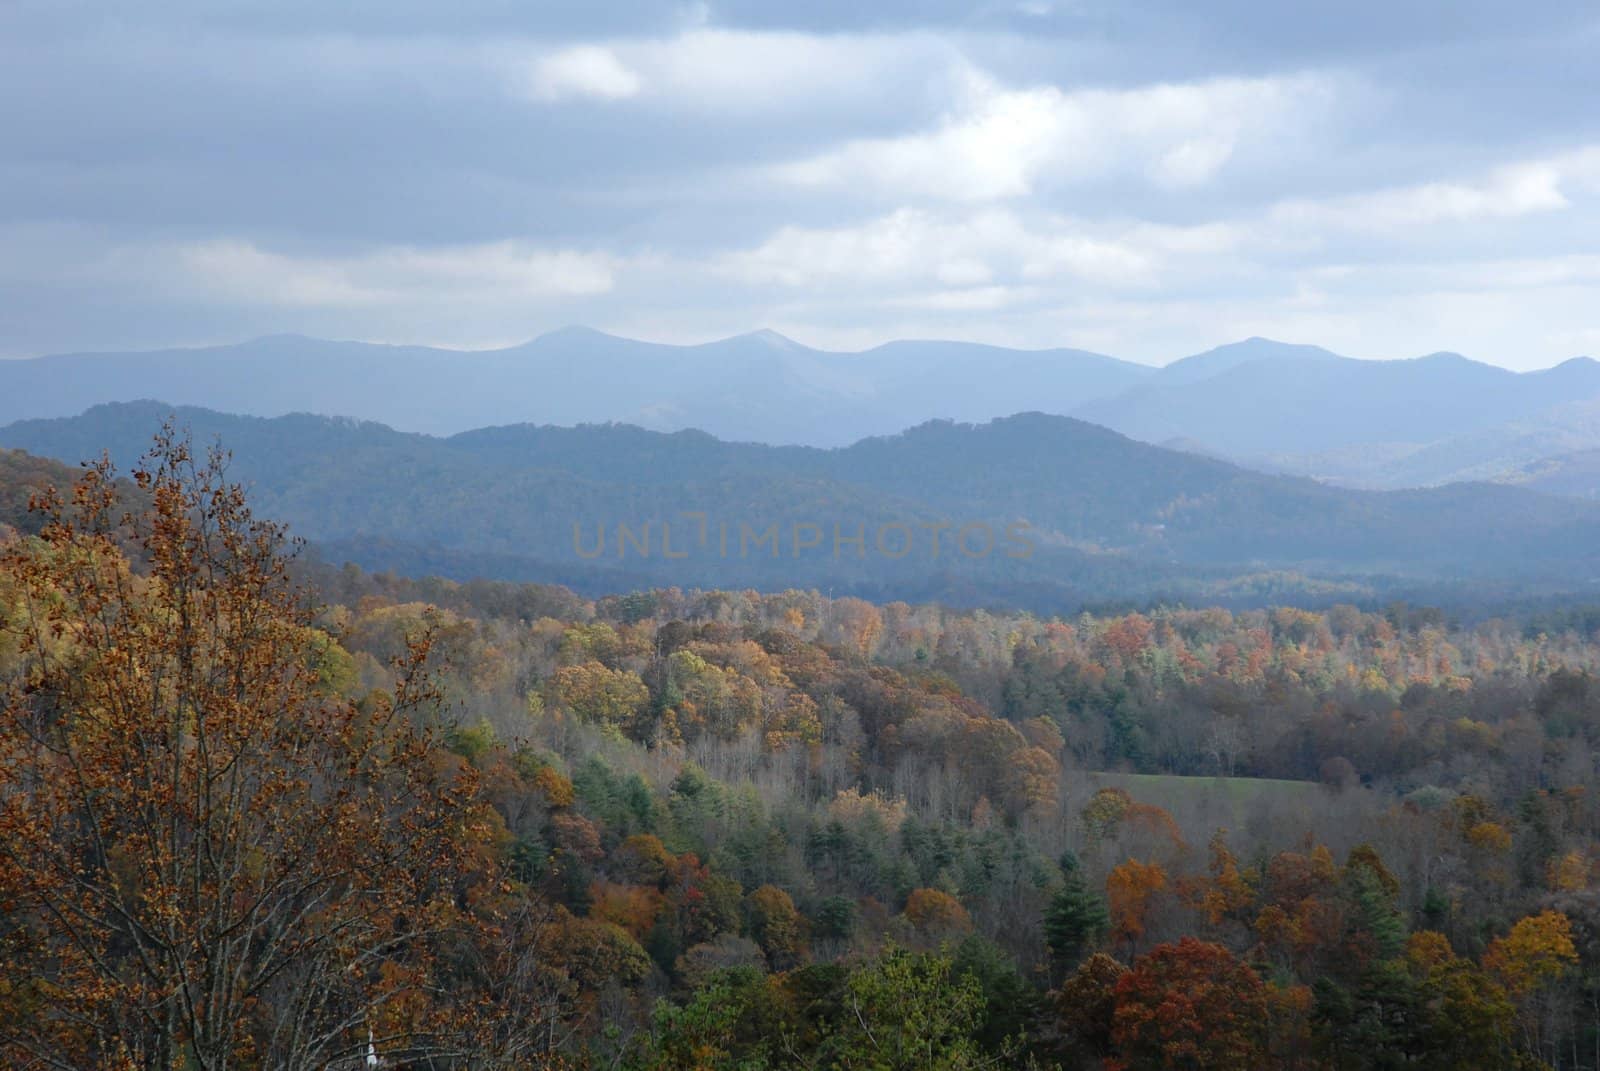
x: 1258, y: 347
x: 1232, y: 354
x: 767, y: 336
x: 280, y: 336
x: 573, y: 333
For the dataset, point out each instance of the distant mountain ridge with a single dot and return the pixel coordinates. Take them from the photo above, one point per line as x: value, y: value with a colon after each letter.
x: 1268, y: 405
x: 1274, y: 406
x: 1104, y: 516
x: 1498, y: 453
x: 758, y: 387
x: 1216, y: 361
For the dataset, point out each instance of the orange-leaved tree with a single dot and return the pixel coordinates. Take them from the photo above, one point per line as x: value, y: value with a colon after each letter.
x: 1537, y: 951
x: 207, y: 859
x: 1130, y: 888
x: 1190, y: 1005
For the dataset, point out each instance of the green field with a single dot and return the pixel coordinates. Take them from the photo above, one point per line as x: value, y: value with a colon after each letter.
x: 1200, y: 804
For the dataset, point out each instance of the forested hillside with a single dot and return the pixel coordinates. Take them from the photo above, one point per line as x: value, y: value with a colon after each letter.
x: 719, y: 535
x: 22, y: 476
x: 1039, y: 511
x: 491, y: 824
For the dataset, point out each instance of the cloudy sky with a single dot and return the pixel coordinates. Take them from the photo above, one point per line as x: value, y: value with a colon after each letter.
x: 1147, y: 179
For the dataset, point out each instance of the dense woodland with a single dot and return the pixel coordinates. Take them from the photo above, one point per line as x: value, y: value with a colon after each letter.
x: 1104, y: 518
x: 261, y: 812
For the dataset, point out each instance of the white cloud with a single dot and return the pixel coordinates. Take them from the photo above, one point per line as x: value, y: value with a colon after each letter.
x: 1509, y: 192
x: 582, y: 71
x: 970, y: 299
x: 1523, y: 188
x: 487, y: 273
x: 720, y: 71
x: 911, y: 248
x: 1580, y: 168
x: 1004, y: 143
x: 1149, y: 290
x: 712, y: 71
x: 1495, y: 273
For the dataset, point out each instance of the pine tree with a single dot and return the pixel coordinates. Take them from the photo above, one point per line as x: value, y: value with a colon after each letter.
x: 1076, y: 916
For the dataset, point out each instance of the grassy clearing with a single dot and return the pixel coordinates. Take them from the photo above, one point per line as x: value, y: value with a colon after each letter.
x: 1203, y: 803
x: 1237, y: 788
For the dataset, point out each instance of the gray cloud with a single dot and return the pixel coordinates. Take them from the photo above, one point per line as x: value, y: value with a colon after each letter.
x: 1145, y: 179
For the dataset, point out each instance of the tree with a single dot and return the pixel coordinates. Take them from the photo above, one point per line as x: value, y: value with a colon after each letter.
x: 1529, y: 962
x: 1226, y: 892
x: 1029, y: 780
x: 1382, y: 1023
x: 643, y: 860
x: 1537, y: 952
x: 1374, y: 927
x: 1190, y: 1005
x: 1429, y: 1011
x: 1076, y: 916
x: 1009, y: 1002
x: 1130, y: 887
x: 835, y: 918
x: 700, y: 904
x: 608, y: 697
x: 775, y: 925
x: 908, y: 1011
x: 1103, y: 811
x: 1469, y: 1020
x: 207, y: 860
x: 1085, y: 1005
x: 937, y: 915
x: 704, y: 1034
x: 1365, y: 856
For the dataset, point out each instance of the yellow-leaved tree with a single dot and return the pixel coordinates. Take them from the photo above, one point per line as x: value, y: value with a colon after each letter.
x: 208, y: 859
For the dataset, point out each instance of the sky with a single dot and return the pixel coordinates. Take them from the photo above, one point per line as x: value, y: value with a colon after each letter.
x: 1145, y: 178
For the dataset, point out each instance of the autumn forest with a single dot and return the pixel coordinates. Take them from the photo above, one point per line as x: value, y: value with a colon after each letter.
x: 856, y: 535
x: 260, y: 811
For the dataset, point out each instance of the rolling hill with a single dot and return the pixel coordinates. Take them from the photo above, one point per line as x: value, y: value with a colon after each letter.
x: 1501, y: 453
x: 1102, y: 515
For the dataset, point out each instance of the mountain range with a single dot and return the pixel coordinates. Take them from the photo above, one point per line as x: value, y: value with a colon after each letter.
x: 758, y: 387
x: 1100, y: 515
x: 1273, y: 406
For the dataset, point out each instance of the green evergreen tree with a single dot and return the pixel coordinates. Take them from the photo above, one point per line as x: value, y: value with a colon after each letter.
x: 1374, y: 918
x: 1076, y: 917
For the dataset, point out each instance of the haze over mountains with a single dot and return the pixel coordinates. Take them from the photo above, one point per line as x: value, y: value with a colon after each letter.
x: 1431, y: 420
x: 758, y: 387
x: 1103, y: 516
x: 1268, y: 405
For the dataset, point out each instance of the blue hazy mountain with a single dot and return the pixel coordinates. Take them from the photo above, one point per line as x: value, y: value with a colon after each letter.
x: 1214, y: 362
x: 1266, y: 401
x: 1108, y: 516
x: 756, y: 387
x: 1274, y: 406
